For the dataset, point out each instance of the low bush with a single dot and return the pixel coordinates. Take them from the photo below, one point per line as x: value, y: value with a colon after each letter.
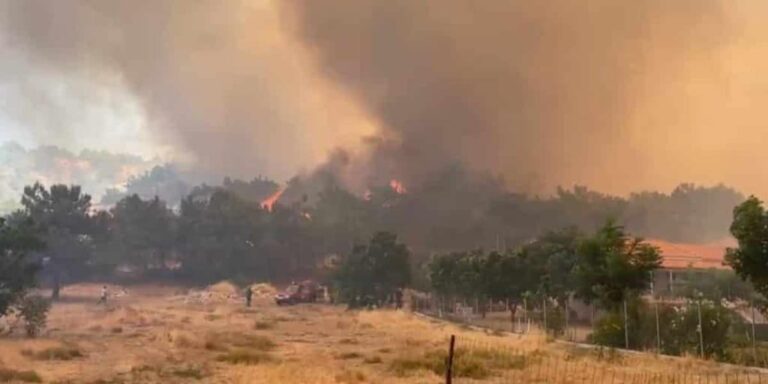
x: 555, y: 321
x: 34, y: 310
x: 262, y: 325
x: 372, y: 360
x: 62, y: 353
x: 349, y: 355
x: 11, y: 375
x: 245, y: 357
x: 189, y: 373
x: 679, y: 331
x: 350, y: 377
x: 222, y: 342
x: 476, y: 364
x: 256, y: 342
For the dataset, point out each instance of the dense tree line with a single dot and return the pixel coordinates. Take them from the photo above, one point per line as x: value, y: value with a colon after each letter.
x: 454, y: 208
x: 223, y: 231
x: 216, y: 233
x: 607, y: 268
x: 612, y: 270
x: 374, y: 273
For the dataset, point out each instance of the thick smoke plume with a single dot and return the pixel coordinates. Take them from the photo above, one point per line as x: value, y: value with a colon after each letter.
x: 218, y: 80
x: 615, y: 95
x: 620, y: 96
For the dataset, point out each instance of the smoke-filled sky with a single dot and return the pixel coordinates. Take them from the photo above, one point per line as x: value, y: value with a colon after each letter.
x: 620, y: 96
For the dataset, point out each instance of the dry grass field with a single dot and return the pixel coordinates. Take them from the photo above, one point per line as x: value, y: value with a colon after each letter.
x: 169, y: 335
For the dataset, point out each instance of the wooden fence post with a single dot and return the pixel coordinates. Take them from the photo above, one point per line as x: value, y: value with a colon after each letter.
x: 449, y: 362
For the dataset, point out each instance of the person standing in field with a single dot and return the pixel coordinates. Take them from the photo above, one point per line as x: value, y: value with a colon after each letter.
x: 104, y: 294
x: 248, y: 296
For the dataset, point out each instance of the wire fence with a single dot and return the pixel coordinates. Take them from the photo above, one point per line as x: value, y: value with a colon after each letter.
x: 575, y: 323
x: 479, y: 361
x: 572, y: 324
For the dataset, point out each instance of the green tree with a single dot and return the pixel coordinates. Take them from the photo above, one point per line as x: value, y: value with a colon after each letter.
x: 750, y: 259
x: 62, y: 215
x: 459, y: 275
x: 374, y: 271
x: 683, y: 337
x: 221, y: 237
x: 340, y: 219
x: 613, y: 267
x: 142, y: 231
x: 553, y: 257
x: 17, y: 269
x: 486, y: 276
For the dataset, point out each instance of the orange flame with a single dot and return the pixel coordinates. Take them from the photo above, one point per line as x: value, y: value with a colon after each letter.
x: 397, y: 186
x: 270, y: 201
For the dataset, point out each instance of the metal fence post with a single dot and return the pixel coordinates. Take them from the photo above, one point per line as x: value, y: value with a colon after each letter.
x: 567, y: 329
x: 754, y: 347
x: 701, y: 329
x: 527, y: 320
x: 656, y: 309
x: 449, y: 361
x: 626, y: 328
x: 546, y: 331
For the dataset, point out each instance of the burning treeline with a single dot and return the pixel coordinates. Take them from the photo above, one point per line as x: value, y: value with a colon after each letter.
x: 262, y: 230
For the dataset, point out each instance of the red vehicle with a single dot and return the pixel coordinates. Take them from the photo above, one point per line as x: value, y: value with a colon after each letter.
x: 304, y: 292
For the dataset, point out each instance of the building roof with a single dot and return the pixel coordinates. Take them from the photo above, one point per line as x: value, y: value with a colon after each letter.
x: 696, y: 256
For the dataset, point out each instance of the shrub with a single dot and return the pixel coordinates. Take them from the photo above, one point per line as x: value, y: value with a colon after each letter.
x: 189, y: 373
x: 476, y: 364
x: 9, y: 375
x: 678, y: 331
x: 34, y: 310
x: 555, y: 320
x: 256, y: 342
x: 245, y: 357
x: 641, y: 322
x: 63, y: 353
x: 609, y: 331
x: 716, y: 322
x: 263, y: 325
x: 349, y: 355
x: 214, y: 345
x: 372, y: 360
x: 221, y: 341
x: 350, y: 377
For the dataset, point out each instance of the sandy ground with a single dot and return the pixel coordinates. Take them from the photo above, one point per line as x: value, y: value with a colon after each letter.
x: 169, y: 335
